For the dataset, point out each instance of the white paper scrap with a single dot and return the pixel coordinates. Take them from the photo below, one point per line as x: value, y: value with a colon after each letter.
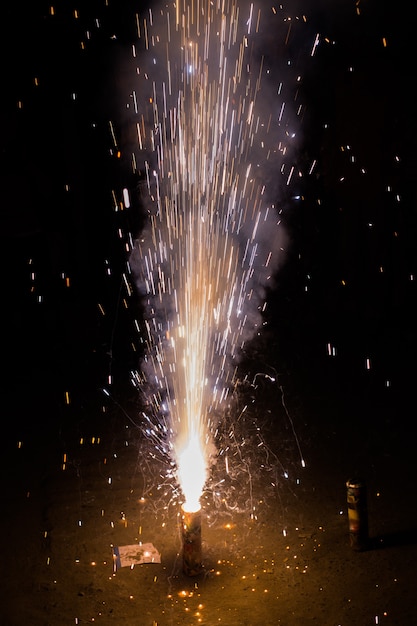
x: 129, y: 556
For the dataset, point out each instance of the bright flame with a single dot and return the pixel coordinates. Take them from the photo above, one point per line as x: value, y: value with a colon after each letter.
x: 192, y: 473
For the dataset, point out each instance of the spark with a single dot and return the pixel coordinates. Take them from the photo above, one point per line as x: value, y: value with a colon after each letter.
x: 213, y: 239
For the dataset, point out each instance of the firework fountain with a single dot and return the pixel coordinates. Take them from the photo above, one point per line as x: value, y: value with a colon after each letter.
x: 213, y: 239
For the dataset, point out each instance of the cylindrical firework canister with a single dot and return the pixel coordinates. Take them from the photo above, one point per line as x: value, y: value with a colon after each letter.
x: 358, y: 514
x: 191, y: 542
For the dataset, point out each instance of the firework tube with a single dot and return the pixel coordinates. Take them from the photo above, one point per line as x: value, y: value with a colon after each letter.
x: 191, y: 542
x: 358, y: 514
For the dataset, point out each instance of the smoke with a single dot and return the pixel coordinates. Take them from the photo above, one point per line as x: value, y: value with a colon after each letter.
x: 215, y: 140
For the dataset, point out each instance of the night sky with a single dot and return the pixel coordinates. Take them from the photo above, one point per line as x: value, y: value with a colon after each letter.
x: 350, y: 277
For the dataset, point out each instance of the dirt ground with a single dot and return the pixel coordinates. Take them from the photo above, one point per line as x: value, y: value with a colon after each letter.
x: 278, y: 554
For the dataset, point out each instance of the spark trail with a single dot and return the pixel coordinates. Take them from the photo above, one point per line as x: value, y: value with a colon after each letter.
x: 213, y: 240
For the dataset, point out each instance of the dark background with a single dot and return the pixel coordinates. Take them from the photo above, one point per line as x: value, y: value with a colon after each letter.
x: 349, y: 280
